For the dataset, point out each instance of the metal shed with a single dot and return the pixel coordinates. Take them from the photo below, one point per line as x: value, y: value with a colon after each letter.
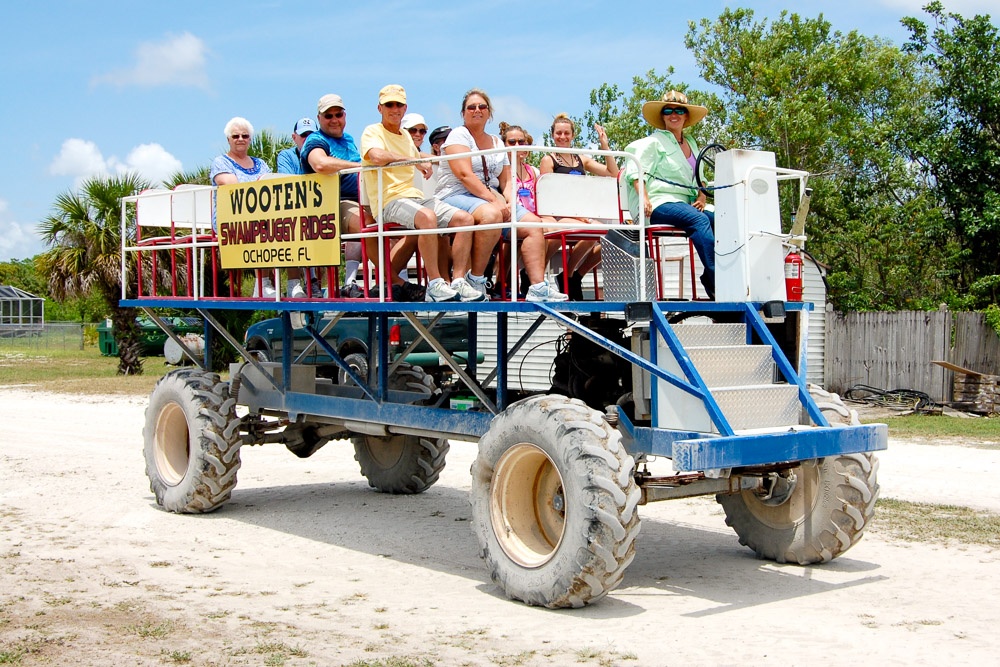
x: 21, y: 313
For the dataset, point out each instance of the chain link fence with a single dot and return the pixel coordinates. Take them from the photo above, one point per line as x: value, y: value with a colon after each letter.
x: 49, y: 336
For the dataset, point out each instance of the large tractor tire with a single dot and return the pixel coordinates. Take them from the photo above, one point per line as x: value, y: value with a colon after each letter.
x: 403, y: 464
x: 191, y: 442
x: 817, y: 510
x: 554, y: 502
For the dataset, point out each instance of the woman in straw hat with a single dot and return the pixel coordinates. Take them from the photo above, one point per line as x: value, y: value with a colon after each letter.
x: 671, y: 196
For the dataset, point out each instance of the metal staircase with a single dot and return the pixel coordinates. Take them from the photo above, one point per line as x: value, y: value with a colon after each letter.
x: 739, y: 376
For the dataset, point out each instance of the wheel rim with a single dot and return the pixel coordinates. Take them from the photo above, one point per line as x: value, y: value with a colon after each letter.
x: 527, y: 505
x: 172, y: 444
x: 792, y: 508
x: 386, y: 451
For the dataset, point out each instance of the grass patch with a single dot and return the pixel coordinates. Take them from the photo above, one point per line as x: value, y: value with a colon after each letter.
x: 984, y: 431
x: 76, y: 372
x: 12, y: 656
x: 925, y: 522
x: 151, y: 630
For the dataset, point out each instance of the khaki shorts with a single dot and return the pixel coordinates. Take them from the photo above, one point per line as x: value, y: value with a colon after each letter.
x: 403, y: 211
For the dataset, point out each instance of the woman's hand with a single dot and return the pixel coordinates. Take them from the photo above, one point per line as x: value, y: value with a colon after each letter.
x: 648, y: 207
x: 602, y: 136
x: 699, y: 203
x: 502, y: 204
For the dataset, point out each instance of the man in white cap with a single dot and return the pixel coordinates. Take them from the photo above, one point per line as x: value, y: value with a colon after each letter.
x: 330, y: 150
x: 404, y: 204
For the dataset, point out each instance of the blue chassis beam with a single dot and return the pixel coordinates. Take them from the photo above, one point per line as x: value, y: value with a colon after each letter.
x: 689, y: 451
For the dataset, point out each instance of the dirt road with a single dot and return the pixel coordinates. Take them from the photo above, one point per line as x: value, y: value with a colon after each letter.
x: 307, y: 566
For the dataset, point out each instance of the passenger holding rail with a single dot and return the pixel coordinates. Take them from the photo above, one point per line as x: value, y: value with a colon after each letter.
x: 668, y: 160
x: 483, y: 186
x: 404, y: 204
x: 329, y: 151
x: 237, y: 166
x: 534, y: 286
x: 586, y: 255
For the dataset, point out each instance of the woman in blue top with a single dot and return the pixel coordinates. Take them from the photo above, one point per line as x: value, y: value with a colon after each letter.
x: 235, y: 166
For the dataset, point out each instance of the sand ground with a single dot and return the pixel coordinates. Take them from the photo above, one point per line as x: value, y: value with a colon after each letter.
x: 308, y: 566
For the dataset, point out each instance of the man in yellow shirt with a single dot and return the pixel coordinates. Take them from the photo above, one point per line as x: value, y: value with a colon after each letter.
x: 404, y: 204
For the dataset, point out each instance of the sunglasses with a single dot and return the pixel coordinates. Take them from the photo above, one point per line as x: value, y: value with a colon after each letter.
x: 517, y: 142
x: 239, y: 136
x: 477, y: 107
x: 416, y: 130
x: 393, y: 105
x: 680, y: 111
x: 338, y: 114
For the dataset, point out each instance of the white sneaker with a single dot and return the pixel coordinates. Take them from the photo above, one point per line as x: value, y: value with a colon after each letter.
x: 268, y: 289
x: 544, y: 292
x: 440, y: 291
x: 467, y: 291
x: 295, y: 290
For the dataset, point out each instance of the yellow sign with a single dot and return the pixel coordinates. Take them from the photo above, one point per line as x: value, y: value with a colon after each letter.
x: 279, y: 222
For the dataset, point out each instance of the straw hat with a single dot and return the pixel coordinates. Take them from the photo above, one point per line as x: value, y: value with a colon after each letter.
x: 653, y: 111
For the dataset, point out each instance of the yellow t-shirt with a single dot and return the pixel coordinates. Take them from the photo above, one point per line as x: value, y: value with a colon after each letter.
x: 397, y: 182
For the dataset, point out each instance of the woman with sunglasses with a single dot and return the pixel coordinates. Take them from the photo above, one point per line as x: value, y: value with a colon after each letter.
x: 668, y: 158
x: 235, y: 165
x: 482, y: 186
x: 533, y: 283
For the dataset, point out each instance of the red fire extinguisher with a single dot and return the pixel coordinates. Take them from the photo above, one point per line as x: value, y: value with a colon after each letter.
x: 793, y: 276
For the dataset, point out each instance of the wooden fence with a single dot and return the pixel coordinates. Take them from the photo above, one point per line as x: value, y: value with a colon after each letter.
x: 894, y: 350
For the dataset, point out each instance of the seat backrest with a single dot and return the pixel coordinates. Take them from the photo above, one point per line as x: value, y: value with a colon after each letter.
x: 152, y: 208
x: 573, y: 196
x: 191, y: 206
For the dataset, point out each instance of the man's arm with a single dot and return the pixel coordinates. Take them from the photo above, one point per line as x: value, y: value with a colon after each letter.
x: 381, y: 157
x: 325, y: 164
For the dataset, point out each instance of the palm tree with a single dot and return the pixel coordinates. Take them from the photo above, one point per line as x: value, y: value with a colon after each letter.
x: 85, y: 238
x: 267, y: 144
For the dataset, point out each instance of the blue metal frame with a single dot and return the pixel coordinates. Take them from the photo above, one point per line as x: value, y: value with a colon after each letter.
x: 690, y: 451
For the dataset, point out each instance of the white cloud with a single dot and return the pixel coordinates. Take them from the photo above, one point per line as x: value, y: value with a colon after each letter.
x: 176, y: 60
x: 152, y: 161
x: 78, y: 158
x: 82, y: 159
x: 17, y: 240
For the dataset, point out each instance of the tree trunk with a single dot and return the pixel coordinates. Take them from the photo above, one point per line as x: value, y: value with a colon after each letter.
x: 127, y: 336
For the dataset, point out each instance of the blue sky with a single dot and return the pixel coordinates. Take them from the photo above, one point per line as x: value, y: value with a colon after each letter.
x: 93, y: 88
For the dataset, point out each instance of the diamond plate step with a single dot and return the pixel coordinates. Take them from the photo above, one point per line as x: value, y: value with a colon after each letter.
x: 760, y: 406
x: 733, y: 365
x: 710, y: 335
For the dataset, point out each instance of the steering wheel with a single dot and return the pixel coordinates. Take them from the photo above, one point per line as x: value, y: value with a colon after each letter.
x: 704, y: 167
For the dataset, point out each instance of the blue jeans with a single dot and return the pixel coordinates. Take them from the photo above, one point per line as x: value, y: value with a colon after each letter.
x: 697, y: 225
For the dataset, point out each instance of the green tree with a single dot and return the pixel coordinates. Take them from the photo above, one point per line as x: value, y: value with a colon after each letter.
x: 958, y: 136
x: 84, y: 233
x: 836, y: 105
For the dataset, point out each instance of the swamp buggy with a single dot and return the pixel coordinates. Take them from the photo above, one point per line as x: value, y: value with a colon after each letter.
x: 715, y: 388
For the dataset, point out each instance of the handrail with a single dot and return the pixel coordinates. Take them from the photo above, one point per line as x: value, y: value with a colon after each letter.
x: 641, y: 223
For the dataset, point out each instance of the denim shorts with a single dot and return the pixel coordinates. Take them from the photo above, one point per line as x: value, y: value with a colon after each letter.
x: 468, y: 203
